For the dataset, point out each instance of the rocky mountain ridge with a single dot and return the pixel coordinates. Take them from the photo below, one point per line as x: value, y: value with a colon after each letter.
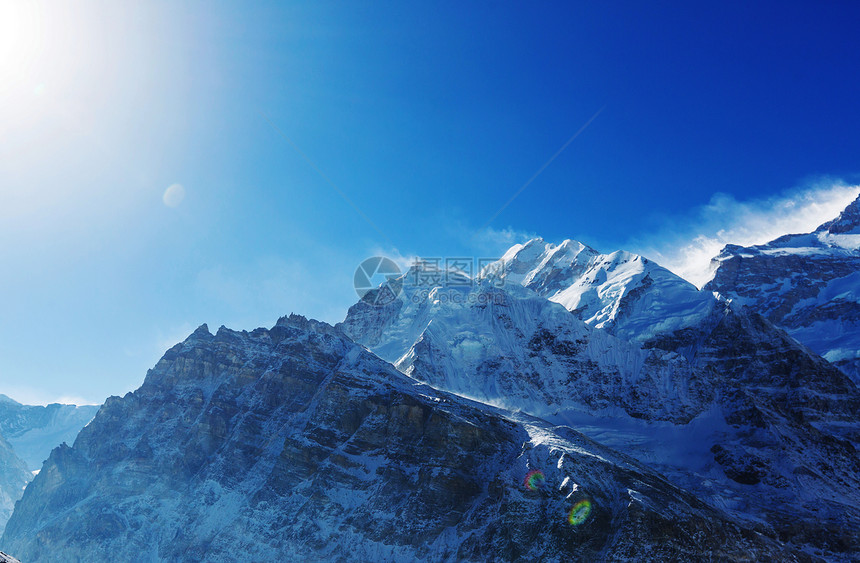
x: 626, y: 294
x: 807, y: 284
x: 727, y: 403
x: 707, y: 431
x: 295, y: 442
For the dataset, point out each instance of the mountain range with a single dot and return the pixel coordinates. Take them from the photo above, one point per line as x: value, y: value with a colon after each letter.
x: 715, y: 397
x: 807, y: 284
x: 561, y: 404
x: 296, y: 443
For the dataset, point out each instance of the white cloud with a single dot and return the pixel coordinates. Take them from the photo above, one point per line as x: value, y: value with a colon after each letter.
x: 493, y: 243
x: 482, y: 243
x: 403, y: 261
x: 687, y: 246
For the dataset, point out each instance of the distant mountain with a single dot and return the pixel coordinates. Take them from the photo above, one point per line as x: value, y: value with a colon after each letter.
x: 35, y: 430
x: 296, y: 444
x: 721, y: 402
x: 626, y: 294
x: 14, y: 476
x: 28, y: 433
x: 807, y: 284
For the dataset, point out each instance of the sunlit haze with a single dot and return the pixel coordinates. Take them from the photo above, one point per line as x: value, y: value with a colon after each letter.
x: 167, y: 164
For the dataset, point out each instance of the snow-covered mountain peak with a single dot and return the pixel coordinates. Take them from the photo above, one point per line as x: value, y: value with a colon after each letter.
x: 507, y: 345
x: 537, y: 260
x: 835, y: 238
x: 633, y: 297
x: 848, y: 221
x: 294, y: 444
x: 807, y: 284
x: 706, y: 394
x: 302, y: 323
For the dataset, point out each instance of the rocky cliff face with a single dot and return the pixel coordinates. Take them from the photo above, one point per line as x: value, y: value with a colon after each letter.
x: 728, y: 407
x: 512, y: 348
x: 808, y: 284
x: 295, y: 443
x: 790, y: 431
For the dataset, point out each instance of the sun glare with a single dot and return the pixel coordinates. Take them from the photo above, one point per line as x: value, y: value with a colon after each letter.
x: 22, y: 41
x: 44, y: 48
x: 61, y: 67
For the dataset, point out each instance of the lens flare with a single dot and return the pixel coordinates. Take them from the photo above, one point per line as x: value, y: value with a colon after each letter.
x: 579, y: 512
x: 173, y: 195
x: 534, y: 480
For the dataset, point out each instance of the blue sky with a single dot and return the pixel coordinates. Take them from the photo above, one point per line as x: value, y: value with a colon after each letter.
x: 727, y: 122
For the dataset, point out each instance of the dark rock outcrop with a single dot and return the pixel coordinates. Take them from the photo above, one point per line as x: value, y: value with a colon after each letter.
x: 295, y: 443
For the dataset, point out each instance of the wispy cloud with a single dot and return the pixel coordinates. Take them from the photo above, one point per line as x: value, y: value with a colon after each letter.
x: 494, y: 242
x: 404, y: 261
x: 483, y: 243
x: 688, y: 243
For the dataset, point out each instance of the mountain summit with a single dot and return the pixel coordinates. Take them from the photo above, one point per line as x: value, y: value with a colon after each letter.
x: 627, y: 294
x: 561, y: 404
x: 807, y: 284
x: 716, y: 399
x: 848, y: 221
x: 295, y: 443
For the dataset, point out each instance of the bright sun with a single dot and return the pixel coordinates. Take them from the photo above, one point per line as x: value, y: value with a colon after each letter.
x: 22, y: 42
